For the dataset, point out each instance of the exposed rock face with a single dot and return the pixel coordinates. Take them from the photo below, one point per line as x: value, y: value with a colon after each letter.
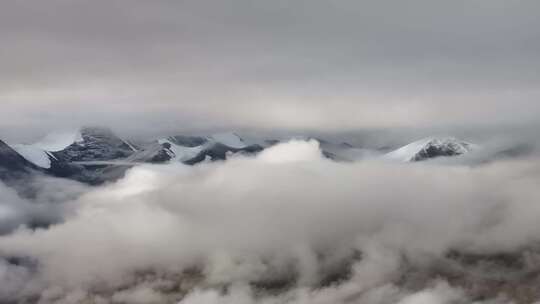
x: 188, y: 141
x: 442, y: 147
x: 220, y: 151
x: 98, y: 144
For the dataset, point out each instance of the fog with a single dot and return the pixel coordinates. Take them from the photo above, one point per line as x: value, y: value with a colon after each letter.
x: 285, y: 226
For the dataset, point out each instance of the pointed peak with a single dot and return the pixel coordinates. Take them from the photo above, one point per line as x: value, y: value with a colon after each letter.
x: 431, y: 147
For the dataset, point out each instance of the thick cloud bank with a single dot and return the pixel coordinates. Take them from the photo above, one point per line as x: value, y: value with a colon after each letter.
x: 286, y: 226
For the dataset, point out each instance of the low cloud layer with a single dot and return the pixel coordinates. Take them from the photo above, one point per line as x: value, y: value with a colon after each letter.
x: 314, y: 65
x: 36, y: 202
x: 273, y: 229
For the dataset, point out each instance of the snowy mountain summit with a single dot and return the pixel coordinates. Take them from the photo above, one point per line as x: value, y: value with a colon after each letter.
x: 431, y: 147
x: 95, y: 144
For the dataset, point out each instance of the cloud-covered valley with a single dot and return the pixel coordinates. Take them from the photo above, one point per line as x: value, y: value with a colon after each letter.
x: 284, y: 226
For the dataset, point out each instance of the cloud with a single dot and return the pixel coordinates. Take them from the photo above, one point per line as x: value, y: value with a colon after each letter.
x: 167, y: 231
x: 293, y: 151
x: 35, y: 202
x: 440, y: 294
x: 11, y: 211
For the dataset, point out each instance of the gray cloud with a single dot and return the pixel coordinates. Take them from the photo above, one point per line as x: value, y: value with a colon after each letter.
x: 268, y: 64
x: 36, y: 202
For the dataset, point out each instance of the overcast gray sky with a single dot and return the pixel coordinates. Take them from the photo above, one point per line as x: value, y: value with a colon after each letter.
x: 321, y: 65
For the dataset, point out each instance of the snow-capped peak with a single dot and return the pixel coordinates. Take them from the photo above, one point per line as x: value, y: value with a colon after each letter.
x: 430, y: 147
x: 230, y: 139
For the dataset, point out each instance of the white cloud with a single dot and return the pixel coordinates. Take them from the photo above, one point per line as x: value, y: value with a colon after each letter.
x: 263, y: 219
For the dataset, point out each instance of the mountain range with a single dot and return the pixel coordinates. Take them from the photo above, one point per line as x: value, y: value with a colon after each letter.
x: 94, y: 155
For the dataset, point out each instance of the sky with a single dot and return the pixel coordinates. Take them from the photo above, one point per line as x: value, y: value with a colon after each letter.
x: 312, y: 65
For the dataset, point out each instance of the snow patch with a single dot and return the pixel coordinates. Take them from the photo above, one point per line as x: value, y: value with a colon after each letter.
x: 130, y: 145
x: 39, y: 153
x: 35, y: 155
x: 407, y: 153
x: 229, y: 139
x: 181, y: 153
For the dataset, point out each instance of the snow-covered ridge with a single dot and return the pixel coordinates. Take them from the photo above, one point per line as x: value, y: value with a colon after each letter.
x: 229, y: 139
x: 185, y: 148
x: 33, y: 154
x: 430, y: 147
